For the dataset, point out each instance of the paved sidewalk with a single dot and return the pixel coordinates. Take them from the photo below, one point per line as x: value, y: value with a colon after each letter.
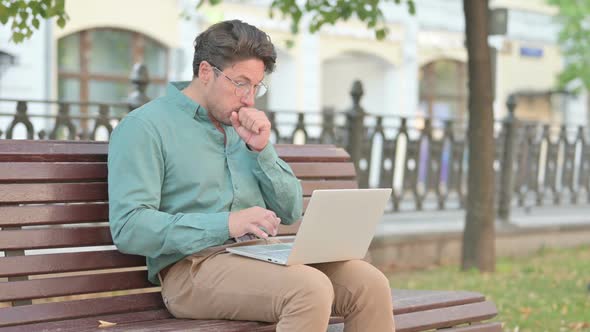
x: 433, y: 221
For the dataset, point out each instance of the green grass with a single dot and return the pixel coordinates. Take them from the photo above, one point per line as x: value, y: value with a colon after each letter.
x: 544, y: 292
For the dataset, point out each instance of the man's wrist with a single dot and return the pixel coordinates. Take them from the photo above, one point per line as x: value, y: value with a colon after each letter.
x: 251, y: 148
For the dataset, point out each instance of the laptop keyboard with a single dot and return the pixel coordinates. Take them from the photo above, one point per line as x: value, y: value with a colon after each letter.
x: 280, y: 255
x: 279, y: 251
x: 266, y: 248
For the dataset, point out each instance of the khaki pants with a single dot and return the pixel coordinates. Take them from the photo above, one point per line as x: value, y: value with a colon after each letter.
x: 214, y: 284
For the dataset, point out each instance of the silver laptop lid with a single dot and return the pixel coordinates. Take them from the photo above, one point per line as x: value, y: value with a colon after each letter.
x: 338, y: 225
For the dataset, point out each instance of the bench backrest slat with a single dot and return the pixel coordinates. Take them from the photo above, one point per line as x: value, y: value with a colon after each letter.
x: 52, y: 172
x: 312, y: 153
x: 71, y: 171
x: 12, y: 216
x: 52, y: 151
x: 67, y: 262
x: 87, y: 151
x: 55, y: 238
x: 53, y: 192
x: 54, y: 201
x: 310, y: 186
x: 324, y: 170
x: 72, y: 285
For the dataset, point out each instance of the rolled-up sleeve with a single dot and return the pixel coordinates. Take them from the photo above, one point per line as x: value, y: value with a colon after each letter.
x: 280, y: 188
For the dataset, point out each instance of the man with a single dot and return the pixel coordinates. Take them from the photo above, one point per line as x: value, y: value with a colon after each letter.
x: 193, y: 172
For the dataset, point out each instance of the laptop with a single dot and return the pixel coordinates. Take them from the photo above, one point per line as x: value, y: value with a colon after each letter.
x: 338, y: 225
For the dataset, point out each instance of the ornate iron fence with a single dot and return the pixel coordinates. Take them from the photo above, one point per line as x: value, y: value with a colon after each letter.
x: 95, y: 124
x: 423, y: 160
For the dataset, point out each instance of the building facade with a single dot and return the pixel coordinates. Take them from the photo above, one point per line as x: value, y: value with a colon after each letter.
x: 419, y: 70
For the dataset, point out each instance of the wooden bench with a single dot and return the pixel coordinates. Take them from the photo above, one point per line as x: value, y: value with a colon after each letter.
x: 53, y: 196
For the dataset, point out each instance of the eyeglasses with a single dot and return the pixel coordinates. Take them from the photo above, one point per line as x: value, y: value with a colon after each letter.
x: 243, y: 88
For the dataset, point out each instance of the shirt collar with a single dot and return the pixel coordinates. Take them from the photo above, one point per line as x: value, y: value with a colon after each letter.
x: 184, y: 103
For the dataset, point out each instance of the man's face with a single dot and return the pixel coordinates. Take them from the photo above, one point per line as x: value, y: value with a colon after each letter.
x: 224, y: 97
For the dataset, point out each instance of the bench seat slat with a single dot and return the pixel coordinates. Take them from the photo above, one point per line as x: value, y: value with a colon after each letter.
x: 485, y: 327
x: 67, y: 262
x: 420, y: 300
x: 55, y: 238
x: 160, y: 320
x: 437, y: 318
x: 309, y: 186
x: 126, y: 322
x: 186, y: 325
x: 445, y: 317
x: 79, y: 324
x: 98, y: 307
x: 13, y: 216
x: 404, y: 322
x: 73, y: 285
x: 404, y: 301
x: 53, y: 192
x: 52, y: 172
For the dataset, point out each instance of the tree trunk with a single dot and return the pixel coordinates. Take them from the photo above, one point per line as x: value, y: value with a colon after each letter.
x: 479, y: 235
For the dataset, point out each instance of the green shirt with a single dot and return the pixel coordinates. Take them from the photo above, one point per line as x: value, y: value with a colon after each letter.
x: 173, y: 183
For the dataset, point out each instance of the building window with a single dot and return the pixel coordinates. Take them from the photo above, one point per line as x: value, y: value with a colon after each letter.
x: 94, y: 65
x: 443, y: 89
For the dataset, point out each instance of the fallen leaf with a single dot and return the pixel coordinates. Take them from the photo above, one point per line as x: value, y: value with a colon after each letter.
x: 579, y: 326
x: 526, y: 311
x: 103, y: 324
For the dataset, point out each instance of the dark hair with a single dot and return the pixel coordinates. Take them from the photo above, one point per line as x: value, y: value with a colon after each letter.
x: 227, y: 42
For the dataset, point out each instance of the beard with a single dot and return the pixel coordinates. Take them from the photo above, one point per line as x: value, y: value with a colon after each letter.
x: 217, y: 116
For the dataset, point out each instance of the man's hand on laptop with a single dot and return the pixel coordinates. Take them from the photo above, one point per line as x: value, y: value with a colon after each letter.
x: 255, y: 220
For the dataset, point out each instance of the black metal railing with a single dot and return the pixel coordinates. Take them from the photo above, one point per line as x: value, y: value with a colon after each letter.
x: 423, y: 160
